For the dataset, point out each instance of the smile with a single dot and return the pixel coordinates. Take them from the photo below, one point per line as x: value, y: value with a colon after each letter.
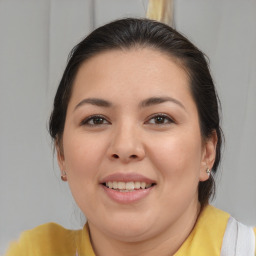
x: 128, y: 186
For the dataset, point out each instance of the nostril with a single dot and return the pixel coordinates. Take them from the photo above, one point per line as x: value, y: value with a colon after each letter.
x: 116, y: 156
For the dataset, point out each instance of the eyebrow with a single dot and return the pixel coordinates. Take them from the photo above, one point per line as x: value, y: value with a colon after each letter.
x: 158, y: 100
x: 145, y: 103
x: 95, y: 102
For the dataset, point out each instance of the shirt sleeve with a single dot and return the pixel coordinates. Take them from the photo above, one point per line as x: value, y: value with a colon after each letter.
x: 45, y: 240
x: 20, y: 247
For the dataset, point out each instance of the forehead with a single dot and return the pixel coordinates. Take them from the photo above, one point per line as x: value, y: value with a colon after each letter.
x: 138, y: 72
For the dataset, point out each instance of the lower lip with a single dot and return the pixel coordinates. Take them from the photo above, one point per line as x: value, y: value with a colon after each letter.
x: 127, y: 197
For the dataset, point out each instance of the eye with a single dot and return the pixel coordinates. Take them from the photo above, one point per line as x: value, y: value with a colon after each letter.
x: 95, y: 120
x: 160, y: 119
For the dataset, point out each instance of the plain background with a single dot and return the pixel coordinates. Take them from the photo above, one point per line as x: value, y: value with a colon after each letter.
x: 35, y: 39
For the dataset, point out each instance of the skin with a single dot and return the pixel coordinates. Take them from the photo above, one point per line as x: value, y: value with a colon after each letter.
x: 130, y: 140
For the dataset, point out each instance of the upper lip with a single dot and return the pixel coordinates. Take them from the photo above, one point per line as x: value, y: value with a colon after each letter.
x: 126, y: 177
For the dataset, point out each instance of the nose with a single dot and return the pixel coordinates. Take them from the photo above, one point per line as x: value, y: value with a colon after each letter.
x: 126, y: 145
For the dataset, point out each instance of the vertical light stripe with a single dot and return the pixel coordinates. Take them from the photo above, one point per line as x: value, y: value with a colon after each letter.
x: 238, y: 240
x: 161, y: 10
x: 92, y: 14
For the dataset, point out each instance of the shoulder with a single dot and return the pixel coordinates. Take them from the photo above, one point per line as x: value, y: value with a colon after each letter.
x: 47, y: 239
x: 49, y: 230
x: 47, y: 233
x: 237, y: 236
x: 213, y: 219
x: 207, y: 234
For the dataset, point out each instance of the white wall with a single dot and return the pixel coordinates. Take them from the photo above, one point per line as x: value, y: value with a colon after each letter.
x: 35, y: 38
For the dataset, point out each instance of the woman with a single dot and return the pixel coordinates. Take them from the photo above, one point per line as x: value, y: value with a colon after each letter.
x: 136, y: 128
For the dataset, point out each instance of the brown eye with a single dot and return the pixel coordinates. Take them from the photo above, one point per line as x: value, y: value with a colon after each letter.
x: 160, y: 120
x: 95, y: 121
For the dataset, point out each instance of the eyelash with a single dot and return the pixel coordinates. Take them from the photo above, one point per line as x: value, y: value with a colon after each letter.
x: 164, y: 116
x: 93, y: 118
x: 105, y: 121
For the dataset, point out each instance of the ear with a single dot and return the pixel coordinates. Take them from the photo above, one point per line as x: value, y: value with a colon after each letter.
x: 208, y: 156
x: 60, y: 156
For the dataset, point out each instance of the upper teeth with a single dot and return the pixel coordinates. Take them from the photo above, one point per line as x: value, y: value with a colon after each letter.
x: 131, y: 185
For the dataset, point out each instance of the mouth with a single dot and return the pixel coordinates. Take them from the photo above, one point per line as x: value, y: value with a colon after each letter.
x: 129, y: 186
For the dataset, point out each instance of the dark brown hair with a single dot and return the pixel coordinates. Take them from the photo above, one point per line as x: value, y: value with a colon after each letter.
x: 128, y: 33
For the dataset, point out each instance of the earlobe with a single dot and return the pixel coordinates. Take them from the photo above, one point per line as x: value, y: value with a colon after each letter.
x: 60, y: 157
x: 61, y: 162
x: 208, y: 157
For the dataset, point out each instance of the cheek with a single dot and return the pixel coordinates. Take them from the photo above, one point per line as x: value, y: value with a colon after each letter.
x: 178, y: 161
x: 82, y: 157
x: 81, y: 152
x: 178, y: 156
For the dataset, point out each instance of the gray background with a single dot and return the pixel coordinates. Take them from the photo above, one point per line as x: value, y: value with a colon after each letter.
x: 35, y: 39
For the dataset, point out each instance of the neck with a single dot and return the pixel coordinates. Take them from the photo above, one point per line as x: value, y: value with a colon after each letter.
x: 165, y: 244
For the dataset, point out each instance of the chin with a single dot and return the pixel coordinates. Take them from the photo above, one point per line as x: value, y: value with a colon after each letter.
x: 130, y: 230
x: 130, y: 235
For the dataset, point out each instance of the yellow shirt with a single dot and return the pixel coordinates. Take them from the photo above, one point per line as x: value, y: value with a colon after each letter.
x: 53, y: 240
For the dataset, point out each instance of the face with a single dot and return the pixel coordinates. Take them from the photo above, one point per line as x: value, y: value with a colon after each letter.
x: 132, y: 147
